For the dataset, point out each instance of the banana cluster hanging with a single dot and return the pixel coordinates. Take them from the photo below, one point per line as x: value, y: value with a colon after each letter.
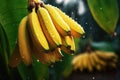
x: 99, y: 60
x: 44, y: 32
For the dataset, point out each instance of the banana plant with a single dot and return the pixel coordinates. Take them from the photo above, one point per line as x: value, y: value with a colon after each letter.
x: 11, y: 12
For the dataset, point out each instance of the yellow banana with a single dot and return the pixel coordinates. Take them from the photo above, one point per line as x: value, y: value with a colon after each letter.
x: 65, y: 49
x: 36, y: 33
x: 41, y: 56
x: 85, y: 60
x: 70, y: 42
x: 76, y: 29
x: 55, y: 55
x: 106, y: 55
x: 48, y: 28
x: 77, y: 62
x: 98, y: 60
x: 99, y: 67
x: 90, y: 66
x: 59, y: 23
x: 15, y: 58
x: 112, y: 65
x: 49, y: 57
x: 23, y: 42
x: 93, y: 62
x: 81, y: 63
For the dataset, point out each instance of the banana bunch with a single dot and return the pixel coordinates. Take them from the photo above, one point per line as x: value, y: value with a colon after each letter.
x: 98, y: 60
x: 44, y: 32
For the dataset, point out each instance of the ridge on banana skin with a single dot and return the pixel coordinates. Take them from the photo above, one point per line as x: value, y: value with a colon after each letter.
x: 48, y: 28
x: 76, y: 29
x: 59, y: 23
x: 24, y: 43
x: 36, y: 32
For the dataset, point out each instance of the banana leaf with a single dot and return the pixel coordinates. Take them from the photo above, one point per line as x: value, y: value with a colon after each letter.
x: 105, y: 13
x: 4, y: 53
x: 11, y: 13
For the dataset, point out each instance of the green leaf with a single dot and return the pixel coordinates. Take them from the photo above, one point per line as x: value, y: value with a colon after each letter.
x: 63, y: 68
x: 105, y: 46
x: 36, y: 71
x: 105, y: 13
x: 11, y: 12
x: 4, y: 52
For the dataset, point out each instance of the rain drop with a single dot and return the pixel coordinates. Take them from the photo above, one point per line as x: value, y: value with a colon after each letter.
x: 90, y: 28
x: 16, y: 41
x: 51, y: 66
x: 93, y: 78
x: 22, y: 56
x: 115, y: 33
x: 53, y: 36
x: 86, y: 23
x: 72, y: 13
x: 61, y: 60
x: 76, y: 19
x: 72, y: 54
x: 83, y: 36
x: 38, y: 60
x: 101, y: 8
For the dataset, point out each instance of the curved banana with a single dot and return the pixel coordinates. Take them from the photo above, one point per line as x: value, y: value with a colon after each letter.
x: 48, y: 28
x: 77, y: 62
x: 90, y: 66
x: 36, y: 33
x: 70, y: 42
x: 76, y: 29
x: 85, y: 60
x: 59, y: 23
x: 107, y: 55
x: 40, y: 55
x: 49, y: 57
x: 112, y: 64
x: 80, y: 63
x: 99, y: 67
x: 55, y: 55
x: 23, y: 42
x: 98, y: 60
x: 93, y: 62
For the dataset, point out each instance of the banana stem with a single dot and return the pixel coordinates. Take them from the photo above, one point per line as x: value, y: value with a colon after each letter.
x: 31, y: 5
